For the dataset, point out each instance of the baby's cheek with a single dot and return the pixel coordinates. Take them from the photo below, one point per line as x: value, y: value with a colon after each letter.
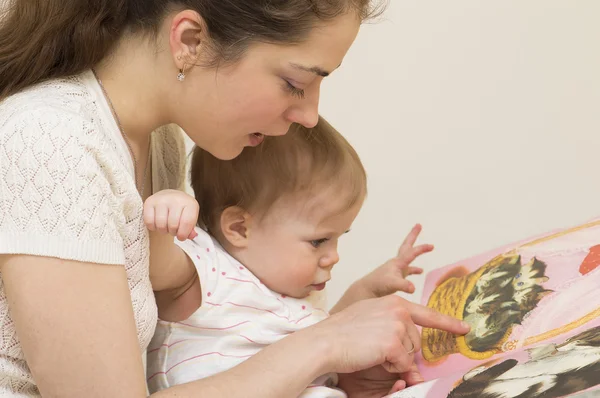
x: 303, y: 275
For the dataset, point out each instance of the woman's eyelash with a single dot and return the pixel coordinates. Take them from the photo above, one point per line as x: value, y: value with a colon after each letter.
x: 296, y: 92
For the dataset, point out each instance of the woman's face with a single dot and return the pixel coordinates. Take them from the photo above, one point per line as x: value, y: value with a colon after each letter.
x: 271, y: 87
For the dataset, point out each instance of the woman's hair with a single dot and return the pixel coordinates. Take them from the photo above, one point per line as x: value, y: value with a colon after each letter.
x: 44, y: 39
x: 301, y: 164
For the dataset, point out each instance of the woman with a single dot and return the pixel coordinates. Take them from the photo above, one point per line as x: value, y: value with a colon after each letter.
x: 83, y: 85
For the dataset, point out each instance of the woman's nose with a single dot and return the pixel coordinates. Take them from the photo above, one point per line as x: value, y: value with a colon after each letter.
x: 306, y: 110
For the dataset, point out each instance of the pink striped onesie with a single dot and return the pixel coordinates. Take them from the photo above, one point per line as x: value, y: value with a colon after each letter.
x: 238, y: 317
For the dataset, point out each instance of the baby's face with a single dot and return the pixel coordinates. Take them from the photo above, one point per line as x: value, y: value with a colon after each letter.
x: 293, y: 249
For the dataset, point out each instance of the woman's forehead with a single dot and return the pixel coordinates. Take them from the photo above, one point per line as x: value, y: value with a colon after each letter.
x: 322, y: 51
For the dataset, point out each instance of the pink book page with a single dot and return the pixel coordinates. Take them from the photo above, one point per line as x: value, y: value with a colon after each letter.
x: 515, y: 297
x: 563, y: 366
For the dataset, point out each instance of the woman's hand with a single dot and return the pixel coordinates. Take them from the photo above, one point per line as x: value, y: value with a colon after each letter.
x: 380, y: 362
x: 383, y: 332
x: 377, y: 382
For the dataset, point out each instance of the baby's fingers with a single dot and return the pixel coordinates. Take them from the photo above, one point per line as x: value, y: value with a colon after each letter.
x: 161, y: 218
x: 403, y: 285
x: 187, y: 222
x: 408, y: 271
x: 422, y: 249
x: 149, y: 217
x: 412, y: 377
x: 398, y: 386
x: 406, y: 257
x: 174, y: 220
x: 411, y: 238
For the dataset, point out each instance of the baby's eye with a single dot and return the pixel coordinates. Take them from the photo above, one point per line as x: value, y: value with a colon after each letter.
x: 518, y: 275
x: 318, y: 242
x: 520, y: 284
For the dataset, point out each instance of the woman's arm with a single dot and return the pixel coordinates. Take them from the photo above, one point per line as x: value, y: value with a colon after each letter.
x: 283, y: 369
x: 76, y: 326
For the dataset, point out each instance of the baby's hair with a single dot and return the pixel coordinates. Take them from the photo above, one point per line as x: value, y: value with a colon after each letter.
x: 305, y: 161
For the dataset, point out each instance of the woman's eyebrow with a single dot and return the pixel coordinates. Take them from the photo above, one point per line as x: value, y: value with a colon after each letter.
x: 312, y: 69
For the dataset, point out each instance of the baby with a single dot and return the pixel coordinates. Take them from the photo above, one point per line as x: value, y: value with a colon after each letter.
x: 270, y: 224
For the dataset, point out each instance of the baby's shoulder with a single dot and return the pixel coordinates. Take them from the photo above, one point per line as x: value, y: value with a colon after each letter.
x: 202, y: 250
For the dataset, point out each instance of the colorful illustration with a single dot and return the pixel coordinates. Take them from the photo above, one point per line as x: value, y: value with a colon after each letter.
x: 534, y: 308
x: 500, y: 295
x: 552, y: 370
x: 564, y: 366
x: 513, y: 297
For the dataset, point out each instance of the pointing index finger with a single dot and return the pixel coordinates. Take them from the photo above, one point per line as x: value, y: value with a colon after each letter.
x: 429, y: 318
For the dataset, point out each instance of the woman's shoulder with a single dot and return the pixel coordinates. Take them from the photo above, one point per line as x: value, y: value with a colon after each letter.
x: 62, y: 116
x: 66, y: 101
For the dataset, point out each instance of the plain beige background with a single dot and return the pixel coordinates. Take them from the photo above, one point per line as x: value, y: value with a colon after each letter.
x: 480, y: 120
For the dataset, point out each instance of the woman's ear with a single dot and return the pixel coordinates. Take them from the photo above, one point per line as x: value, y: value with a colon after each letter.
x: 187, y: 34
x: 236, y: 224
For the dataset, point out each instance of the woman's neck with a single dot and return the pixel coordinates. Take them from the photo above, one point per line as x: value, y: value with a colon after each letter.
x: 134, y: 77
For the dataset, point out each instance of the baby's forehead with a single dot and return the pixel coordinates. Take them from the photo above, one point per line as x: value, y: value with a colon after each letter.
x: 318, y: 209
x: 306, y: 206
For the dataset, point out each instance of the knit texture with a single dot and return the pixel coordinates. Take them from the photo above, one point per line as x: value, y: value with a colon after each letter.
x: 67, y: 191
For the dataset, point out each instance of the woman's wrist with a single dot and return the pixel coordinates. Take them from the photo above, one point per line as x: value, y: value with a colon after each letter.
x: 317, y: 343
x: 283, y: 369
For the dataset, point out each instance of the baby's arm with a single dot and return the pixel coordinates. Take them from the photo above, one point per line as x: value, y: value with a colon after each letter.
x: 390, y: 277
x: 169, y: 214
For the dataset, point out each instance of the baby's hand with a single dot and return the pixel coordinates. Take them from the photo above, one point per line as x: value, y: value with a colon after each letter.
x: 391, y: 277
x: 173, y: 212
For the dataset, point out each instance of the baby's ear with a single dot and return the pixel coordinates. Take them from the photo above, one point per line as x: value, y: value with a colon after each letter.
x: 235, y: 226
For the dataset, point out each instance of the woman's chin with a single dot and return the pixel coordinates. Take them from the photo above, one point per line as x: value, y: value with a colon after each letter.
x: 231, y: 154
x: 225, y: 152
x: 234, y: 150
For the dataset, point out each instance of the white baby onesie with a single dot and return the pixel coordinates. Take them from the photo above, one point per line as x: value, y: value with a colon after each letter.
x: 239, y: 316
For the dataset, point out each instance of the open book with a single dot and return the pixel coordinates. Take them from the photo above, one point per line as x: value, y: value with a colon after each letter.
x: 534, y: 309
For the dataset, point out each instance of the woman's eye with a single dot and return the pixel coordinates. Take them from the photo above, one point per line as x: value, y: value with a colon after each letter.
x: 317, y: 242
x: 295, y: 91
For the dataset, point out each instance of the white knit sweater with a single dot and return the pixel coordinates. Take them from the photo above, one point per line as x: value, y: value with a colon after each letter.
x: 67, y: 191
